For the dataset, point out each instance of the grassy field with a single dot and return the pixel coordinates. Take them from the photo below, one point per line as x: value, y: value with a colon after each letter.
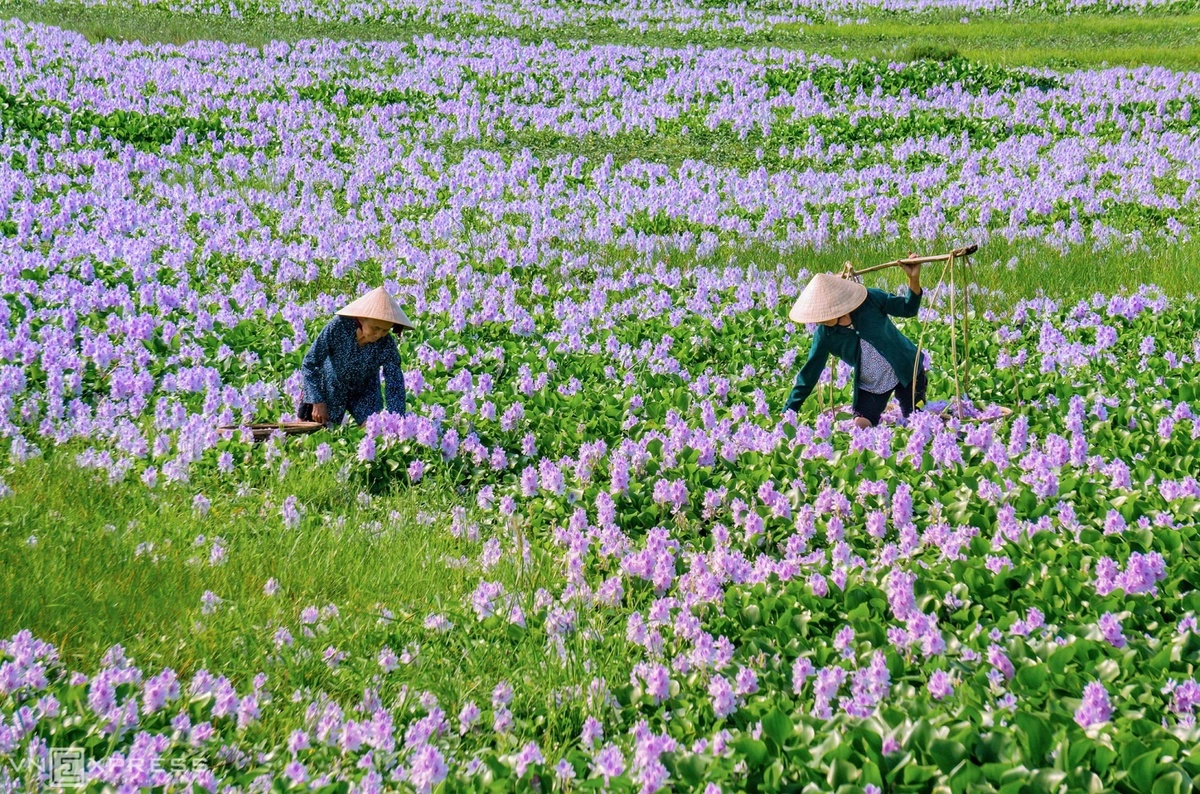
x: 1079, y: 41
x: 1001, y: 271
x: 128, y: 565
x: 1082, y: 41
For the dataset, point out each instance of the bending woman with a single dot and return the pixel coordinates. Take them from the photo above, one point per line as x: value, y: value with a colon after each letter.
x: 341, y: 369
x: 853, y: 325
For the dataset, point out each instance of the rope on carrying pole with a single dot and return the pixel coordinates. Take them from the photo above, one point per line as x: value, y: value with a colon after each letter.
x: 969, y: 281
x: 964, y: 253
x: 954, y: 338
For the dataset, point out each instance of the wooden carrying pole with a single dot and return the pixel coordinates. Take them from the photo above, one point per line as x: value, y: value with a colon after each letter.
x: 961, y: 368
x: 957, y: 253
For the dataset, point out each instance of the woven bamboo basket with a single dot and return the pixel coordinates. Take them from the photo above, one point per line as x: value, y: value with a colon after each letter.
x: 942, y: 409
x: 263, y: 430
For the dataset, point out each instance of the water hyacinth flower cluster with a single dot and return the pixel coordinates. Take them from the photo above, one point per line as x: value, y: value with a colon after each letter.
x: 248, y: 193
x: 743, y: 598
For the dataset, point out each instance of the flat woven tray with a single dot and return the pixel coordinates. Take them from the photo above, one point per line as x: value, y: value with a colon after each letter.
x: 263, y: 430
x: 941, y: 408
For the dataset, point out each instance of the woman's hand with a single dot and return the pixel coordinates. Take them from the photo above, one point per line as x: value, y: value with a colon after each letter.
x: 320, y: 413
x: 913, y: 272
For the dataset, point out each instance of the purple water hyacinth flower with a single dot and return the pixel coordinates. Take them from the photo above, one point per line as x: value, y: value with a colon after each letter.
x: 467, y: 717
x: 829, y: 681
x: 291, y: 512
x: 217, y: 553
x: 1185, y: 699
x: 870, y: 685
x: 843, y: 641
x: 672, y: 493
x: 438, y: 623
x: 200, y: 734
x: 998, y: 659
x: 609, y: 762
x: 160, y: 690
x: 333, y: 657
x: 900, y: 594
x: 802, y: 670
x: 296, y: 773
x: 529, y: 755
x: 940, y: 685
x: 746, y: 681
x: 902, y: 505
x: 1034, y: 619
x: 563, y: 771
x: 656, y: 678
x: 529, y: 481
x: 427, y: 768
x: 297, y: 741
x: 876, y: 524
x: 486, y: 600
x: 502, y: 694
x: 1110, y: 627
x: 1141, y: 574
x: 209, y: 602
x: 201, y: 504
x: 592, y: 733
x: 722, y: 697
x: 1096, y: 708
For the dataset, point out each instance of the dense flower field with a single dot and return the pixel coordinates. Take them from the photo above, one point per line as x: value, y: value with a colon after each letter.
x: 786, y: 601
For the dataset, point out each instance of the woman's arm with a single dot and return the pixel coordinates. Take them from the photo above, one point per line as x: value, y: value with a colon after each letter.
x: 394, y: 394
x: 809, y: 374
x: 314, y: 360
x: 909, y: 304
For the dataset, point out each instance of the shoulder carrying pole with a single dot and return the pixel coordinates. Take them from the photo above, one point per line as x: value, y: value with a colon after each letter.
x: 849, y: 271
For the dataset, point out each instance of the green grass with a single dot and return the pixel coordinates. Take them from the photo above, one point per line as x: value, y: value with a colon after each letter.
x: 1076, y: 41
x: 1003, y: 272
x: 1079, y: 41
x: 84, y: 586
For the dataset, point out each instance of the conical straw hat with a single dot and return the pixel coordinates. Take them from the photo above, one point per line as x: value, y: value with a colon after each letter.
x: 827, y: 297
x: 377, y: 305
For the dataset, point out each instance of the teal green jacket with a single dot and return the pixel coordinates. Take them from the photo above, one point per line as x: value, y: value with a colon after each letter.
x: 869, y: 321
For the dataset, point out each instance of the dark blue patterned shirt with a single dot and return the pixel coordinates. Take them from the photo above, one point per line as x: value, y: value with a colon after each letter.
x: 336, y: 370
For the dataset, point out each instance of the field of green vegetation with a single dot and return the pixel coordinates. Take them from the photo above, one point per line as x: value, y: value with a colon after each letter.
x: 1083, y: 40
x: 647, y: 576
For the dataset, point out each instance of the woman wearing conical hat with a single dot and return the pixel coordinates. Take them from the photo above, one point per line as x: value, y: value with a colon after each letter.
x: 341, y: 370
x: 852, y: 324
